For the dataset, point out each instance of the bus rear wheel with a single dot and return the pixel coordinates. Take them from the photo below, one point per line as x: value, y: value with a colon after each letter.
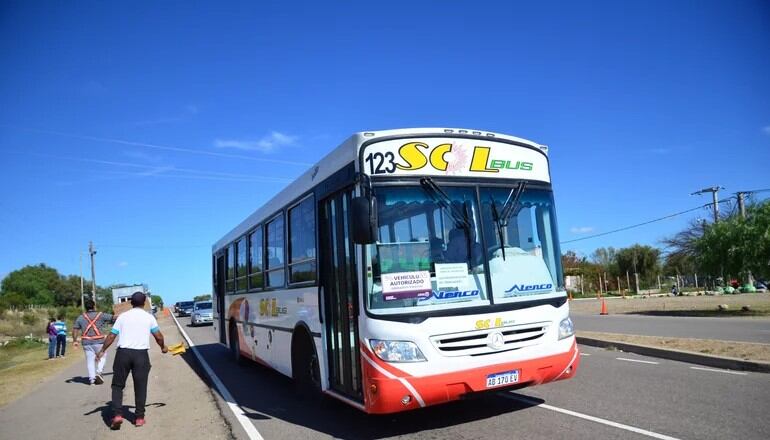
x: 235, y: 346
x: 305, y: 368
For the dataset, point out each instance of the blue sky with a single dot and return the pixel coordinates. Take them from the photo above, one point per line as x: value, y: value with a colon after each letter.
x: 153, y: 128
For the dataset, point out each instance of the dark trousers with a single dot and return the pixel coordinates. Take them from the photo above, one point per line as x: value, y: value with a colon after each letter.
x: 61, y: 344
x: 138, y: 363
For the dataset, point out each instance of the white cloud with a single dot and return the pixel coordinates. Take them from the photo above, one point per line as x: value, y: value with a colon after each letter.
x: 581, y: 229
x: 766, y: 129
x: 123, y: 264
x: 266, y: 144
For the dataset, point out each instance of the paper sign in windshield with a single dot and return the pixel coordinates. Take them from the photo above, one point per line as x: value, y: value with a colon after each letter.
x: 451, y: 275
x: 403, y: 285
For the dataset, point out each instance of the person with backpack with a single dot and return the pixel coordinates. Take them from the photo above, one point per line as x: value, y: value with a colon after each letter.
x: 91, y: 324
x: 61, y: 336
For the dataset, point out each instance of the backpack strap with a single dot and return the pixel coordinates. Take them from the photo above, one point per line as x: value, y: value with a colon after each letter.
x: 92, y: 326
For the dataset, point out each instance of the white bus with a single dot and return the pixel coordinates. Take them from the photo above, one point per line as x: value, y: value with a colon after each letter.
x: 406, y: 268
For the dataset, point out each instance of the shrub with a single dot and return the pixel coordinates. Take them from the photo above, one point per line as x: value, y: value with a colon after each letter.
x: 29, y: 318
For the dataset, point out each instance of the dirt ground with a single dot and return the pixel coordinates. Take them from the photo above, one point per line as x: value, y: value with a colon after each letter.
x: 737, y: 350
x: 758, y: 302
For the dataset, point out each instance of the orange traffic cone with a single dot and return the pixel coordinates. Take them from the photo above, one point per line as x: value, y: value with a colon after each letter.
x: 604, y: 308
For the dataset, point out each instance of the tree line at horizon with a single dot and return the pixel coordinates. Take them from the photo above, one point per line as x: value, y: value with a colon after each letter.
x: 730, y: 249
x: 42, y: 285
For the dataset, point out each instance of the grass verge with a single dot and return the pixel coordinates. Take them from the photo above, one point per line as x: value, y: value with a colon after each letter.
x: 739, y: 350
x: 24, y: 365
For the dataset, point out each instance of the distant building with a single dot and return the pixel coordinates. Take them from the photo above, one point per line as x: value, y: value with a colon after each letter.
x: 123, y: 294
x: 572, y: 283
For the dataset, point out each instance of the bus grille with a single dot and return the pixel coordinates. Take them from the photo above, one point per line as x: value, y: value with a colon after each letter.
x: 477, y: 342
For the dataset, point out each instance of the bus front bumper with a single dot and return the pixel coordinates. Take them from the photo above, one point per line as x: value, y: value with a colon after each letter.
x: 388, y: 389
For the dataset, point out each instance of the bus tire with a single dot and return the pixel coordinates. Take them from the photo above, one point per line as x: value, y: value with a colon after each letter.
x: 305, y: 369
x: 235, y: 346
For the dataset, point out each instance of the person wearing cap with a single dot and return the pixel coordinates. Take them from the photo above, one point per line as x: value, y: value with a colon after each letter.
x: 91, y: 324
x: 132, y: 329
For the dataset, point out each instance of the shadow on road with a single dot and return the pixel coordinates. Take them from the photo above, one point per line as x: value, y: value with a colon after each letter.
x: 106, y: 412
x: 78, y: 379
x: 265, y: 394
x: 84, y: 380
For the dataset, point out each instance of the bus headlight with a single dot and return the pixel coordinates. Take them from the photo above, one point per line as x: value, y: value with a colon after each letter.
x: 566, y: 329
x: 396, y: 351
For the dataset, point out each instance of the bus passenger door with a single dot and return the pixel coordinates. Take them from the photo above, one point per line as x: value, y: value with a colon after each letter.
x: 219, y: 275
x: 340, y: 295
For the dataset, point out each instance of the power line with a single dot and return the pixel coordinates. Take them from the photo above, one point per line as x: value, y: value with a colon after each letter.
x: 625, y: 228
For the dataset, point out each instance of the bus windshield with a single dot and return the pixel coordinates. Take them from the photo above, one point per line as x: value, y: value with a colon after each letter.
x: 430, y: 254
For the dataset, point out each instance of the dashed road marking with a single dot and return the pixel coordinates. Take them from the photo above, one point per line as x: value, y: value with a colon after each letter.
x: 584, y: 354
x: 737, y: 373
x: 638, y: 360
x: 251, y: 430
x: 568, y: 412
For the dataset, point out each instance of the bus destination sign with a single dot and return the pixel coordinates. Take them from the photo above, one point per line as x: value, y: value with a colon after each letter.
x: 454, y: 157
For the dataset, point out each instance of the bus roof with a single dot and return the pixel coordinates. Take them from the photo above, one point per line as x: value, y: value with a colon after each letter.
x: 338, y: 158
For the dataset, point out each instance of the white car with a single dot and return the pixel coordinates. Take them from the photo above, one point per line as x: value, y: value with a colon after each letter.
x: 202, y: 313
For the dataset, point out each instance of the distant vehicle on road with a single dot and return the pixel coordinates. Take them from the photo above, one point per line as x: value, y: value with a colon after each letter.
x: 202, y: 313
x: 436, y: 273
x: 184, y: 308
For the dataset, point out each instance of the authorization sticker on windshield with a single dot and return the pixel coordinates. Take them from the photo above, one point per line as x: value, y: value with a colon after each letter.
x: 403, y: 285
x: 451, y: 275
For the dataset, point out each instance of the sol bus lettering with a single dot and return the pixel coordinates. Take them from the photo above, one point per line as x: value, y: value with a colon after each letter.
x: 418, y: 155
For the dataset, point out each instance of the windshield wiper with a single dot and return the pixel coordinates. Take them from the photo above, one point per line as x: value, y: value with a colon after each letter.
x: 510, y: 207
x: 460, y: 217
x: 442, y: 199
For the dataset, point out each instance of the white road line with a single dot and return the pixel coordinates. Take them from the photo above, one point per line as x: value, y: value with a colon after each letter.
x: 251, y: 430
x: 738, y: 373
x: 590, y: 418
x: 638, y: 360
x: 584, y: 354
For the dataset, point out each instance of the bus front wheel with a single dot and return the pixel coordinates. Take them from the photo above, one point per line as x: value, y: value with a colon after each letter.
x: 305, y: 368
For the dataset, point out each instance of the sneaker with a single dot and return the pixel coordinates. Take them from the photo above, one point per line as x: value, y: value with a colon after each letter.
x: 116, y: 421
x: 139, y: 422
x: 99, y: 379
x: 91, y: 382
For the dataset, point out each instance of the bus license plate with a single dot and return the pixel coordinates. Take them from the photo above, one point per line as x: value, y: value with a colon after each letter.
x: 501, y: 379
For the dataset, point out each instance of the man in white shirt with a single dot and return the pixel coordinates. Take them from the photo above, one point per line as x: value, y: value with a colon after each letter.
x: 133, y: 329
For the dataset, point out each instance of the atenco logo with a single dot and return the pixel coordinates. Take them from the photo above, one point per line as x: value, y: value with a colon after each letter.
x: 529, y: 287
x: 452, y: 294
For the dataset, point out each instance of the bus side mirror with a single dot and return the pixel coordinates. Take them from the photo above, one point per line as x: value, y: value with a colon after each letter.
x: 364, y: 220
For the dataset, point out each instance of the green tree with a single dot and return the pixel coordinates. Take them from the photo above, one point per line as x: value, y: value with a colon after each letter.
x: 202, y: 298
x: 735, y: 245
x: 157, y: 301
x: 641, y: 259
x: 606, y: 258
x: 36, y: 284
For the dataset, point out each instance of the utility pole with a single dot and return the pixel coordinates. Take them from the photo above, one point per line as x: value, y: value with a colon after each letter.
x: 714, y: 190
x: 741, y: 203
x: 92, y: 252
x: 82, y: 305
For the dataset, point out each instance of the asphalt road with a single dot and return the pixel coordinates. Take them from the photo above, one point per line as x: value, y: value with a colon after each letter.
x: 727, y: 329
x: 613, y: 394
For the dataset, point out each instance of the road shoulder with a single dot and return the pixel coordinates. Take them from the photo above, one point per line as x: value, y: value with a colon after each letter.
x: 179, y: 402
x: 671, y: 348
